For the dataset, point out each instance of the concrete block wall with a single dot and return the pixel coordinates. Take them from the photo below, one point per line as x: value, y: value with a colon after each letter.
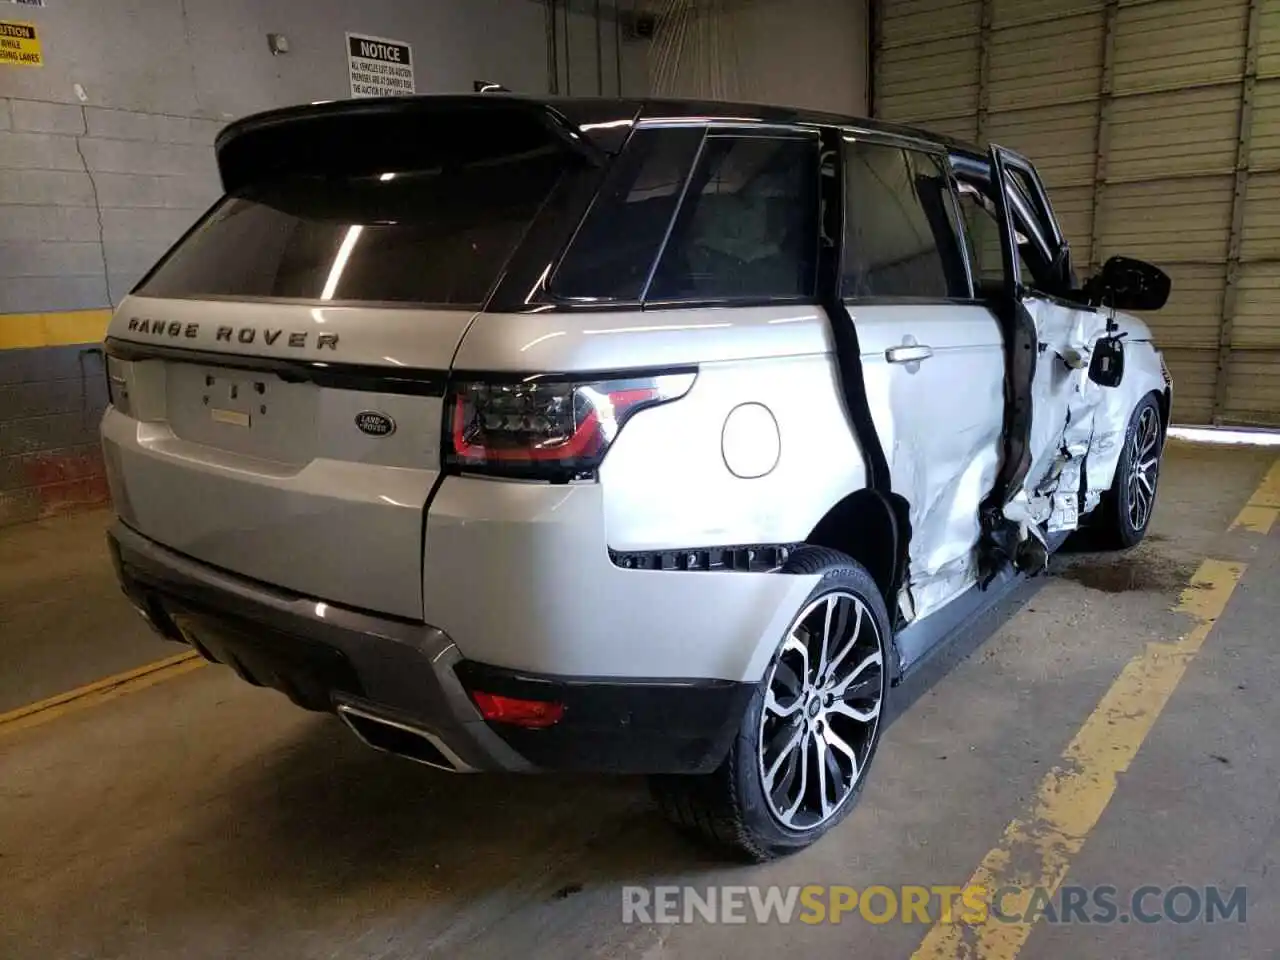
x: 50, y: 462
x: 90, y: 197
x: 106, y: 158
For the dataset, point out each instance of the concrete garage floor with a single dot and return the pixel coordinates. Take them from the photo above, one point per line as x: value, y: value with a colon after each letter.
x: 201, y: 818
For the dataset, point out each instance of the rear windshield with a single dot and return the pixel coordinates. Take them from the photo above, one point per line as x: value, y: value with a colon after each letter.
x: 437, y: 235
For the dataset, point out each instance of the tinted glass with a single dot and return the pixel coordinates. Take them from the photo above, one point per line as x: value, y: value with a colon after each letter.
x: 613, y: 252
x: 1029, y: 196
x: 899, y: 235
x: 749, y: 225
x: 982, y: 231
x: 439, y: 235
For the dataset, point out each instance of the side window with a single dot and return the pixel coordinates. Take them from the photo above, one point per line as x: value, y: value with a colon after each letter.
x: 749, y: 223
x: 900, y: 238
x: 614, y: 249
x: 1030, y: 198
x: 982, y: 232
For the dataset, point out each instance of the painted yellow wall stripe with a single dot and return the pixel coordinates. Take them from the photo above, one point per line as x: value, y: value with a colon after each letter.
x: 18, y: 330
x: 1259, y: 514
x: 99, y: 691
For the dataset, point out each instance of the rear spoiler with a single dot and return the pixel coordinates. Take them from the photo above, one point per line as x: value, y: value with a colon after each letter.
x: 368, y: 136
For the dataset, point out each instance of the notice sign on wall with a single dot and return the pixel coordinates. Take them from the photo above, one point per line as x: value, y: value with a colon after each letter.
x: 19, y: 45
x: 379, y: 67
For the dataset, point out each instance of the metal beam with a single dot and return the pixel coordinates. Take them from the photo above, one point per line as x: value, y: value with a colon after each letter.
x: 984, y: 70
x: 1102, y: 132
x: 553, y: 61
x: 875, y: 42
x: 1238, y: 200
x: 599, y: 55
x: 617, y: 47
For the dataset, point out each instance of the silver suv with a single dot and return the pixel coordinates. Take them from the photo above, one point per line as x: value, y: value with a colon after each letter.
x: 647, y: 437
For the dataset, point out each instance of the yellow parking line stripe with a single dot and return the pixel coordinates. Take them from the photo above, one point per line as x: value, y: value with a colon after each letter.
x: 1255, y: 519
x: 1259, y: 514
x: 99, y: 691
x: 1036, y: 850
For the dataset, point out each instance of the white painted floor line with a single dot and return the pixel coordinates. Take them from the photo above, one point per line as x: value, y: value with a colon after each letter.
x: 1224, y: 435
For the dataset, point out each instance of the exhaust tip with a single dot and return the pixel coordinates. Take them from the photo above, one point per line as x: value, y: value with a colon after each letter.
x: 392, y: 736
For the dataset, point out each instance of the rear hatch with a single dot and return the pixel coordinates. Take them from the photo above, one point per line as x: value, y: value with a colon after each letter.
x: 278, y: 379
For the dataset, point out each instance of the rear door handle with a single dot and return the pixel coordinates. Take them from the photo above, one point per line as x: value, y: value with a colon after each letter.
x: 912, y: 353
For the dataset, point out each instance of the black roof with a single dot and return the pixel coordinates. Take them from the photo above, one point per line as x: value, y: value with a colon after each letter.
x: 592, y: 110
x: 589, y: 123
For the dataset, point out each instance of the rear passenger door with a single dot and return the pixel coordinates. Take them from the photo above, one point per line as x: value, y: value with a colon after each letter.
x: 932, y: 355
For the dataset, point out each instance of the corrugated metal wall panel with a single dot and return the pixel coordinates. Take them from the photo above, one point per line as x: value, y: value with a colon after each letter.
x: 1167, y: 221
x: 1269, y: 39
x: 1260, y: 238
x: 1264, y: 151
x: 937, y: 78
x: 1256, y: 298
x: 1061, y: 140
x: 1195, y: 379
x: 1168, y: 134
x: 910, y: 21
x: 1253, y: 370
x: 1189, y: 320
x: 1073, y: 206
x: 1175, y: 43
x: 1171, y: 120
x: 1048, y: 62
x: 1253, y: 389
x: 962, y: 128
x: 1006, y: 13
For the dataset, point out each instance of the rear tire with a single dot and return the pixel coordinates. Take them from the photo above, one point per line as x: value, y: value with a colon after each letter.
x: 1125, y: 511
x: 807, y: 739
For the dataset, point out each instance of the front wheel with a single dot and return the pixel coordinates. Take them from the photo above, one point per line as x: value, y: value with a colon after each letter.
x: 802, y: 752
x: 1126, y: 509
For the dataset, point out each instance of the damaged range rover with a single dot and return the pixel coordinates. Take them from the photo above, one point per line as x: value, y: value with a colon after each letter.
x: 632, y: 436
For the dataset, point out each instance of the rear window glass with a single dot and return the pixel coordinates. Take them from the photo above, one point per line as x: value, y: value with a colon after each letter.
x: 435, y: 235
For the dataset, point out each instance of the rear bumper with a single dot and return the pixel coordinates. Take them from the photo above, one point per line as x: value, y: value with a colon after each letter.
x: 325, y: 656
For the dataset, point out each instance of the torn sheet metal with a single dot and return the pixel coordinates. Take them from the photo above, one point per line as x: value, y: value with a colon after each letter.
x: 1078, y: 426
x: 1066, y: 405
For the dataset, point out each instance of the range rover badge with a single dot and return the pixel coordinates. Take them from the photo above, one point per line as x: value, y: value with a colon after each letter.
x: 375, y: 424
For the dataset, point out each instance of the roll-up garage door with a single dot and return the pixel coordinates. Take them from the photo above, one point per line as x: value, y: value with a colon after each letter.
x: 1156, y: 124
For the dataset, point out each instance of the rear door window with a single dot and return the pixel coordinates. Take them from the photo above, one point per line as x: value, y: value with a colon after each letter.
x: 439, y: 235
x: 900, y: 234
x: 982, y: 230
x: 748, y: 227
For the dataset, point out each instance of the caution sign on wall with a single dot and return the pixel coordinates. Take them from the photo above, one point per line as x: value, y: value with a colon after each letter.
x: 379, y: 67
x: 19, y: 45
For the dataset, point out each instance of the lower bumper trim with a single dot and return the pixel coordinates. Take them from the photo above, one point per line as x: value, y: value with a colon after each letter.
x: 404, y: 687
x: 620, y: 726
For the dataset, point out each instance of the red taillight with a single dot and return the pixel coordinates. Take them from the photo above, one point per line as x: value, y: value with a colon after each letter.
x: 548, y: 429
x: 521, y: 713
